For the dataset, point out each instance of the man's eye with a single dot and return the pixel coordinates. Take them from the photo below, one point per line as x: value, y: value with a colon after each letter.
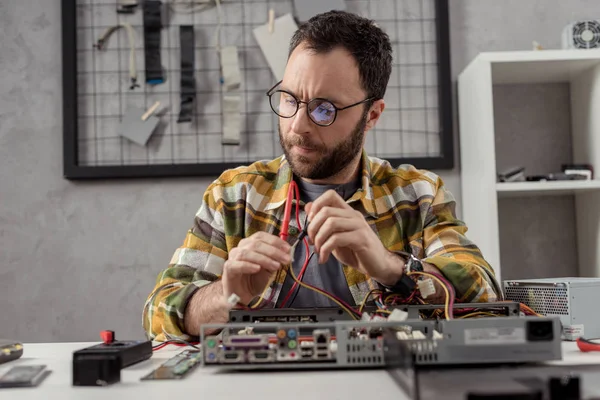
x: 290, y: 100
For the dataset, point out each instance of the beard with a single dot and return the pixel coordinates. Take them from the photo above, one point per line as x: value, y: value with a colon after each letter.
x: 330, y: 161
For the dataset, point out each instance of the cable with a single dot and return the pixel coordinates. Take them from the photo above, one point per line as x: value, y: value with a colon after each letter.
x: 190, y: 6
x: 586, y: 345
x: 312, y: 253
x: 194, y: 6
x: 301, y: 236
x: 101, y: 45
x: 343, y: 305
x: 177, y: 342
x: 364, y: 302
x: 449, y: 302
x: 478, y: 313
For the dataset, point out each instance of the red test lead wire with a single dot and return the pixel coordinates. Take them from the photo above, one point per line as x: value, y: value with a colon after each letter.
x: 287, y: 213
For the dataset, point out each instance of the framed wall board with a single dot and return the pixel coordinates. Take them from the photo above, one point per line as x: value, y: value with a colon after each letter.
x: 415, y: 128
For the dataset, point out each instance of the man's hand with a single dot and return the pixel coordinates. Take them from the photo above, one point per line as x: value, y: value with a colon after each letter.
x: 252, y: 263
x: 337, y: 228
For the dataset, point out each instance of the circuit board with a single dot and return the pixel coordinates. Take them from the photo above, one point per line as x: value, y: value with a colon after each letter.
x: 176, y: 367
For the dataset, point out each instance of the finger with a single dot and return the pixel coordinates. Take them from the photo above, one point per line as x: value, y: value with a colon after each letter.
x: 307, y: 207
x: 237, y: 268
x: 270, y: 239
x: 329, y: 199
x: 335, y: 241
x: 323, y: 215
x: 272, y: 252
x: 263, y: 260
x: 335, y: 225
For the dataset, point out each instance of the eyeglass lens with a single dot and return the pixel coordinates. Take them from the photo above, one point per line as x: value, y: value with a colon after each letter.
x: 322, y: 112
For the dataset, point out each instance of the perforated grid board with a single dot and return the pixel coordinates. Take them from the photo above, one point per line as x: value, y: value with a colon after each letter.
x: 414, y: 128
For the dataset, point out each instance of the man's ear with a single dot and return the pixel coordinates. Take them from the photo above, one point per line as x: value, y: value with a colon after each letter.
x: 374, y: 113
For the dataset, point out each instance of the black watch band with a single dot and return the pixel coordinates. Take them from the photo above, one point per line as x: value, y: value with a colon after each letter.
x: 406, y: 285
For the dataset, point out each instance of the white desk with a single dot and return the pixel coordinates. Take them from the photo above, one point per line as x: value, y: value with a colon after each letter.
x: 203, y: 384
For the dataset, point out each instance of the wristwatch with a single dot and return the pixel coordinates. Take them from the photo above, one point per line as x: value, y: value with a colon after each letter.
x: 412, y: 262
x: 406, y: 285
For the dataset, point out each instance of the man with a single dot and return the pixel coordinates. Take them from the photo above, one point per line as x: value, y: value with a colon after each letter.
x: 362, y: 213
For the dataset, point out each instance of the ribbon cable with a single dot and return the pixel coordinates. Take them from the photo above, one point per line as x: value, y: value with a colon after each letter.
x: 152, y: 28
x: 188, y: 82
x: 231, y: 80
x: 103, y: 40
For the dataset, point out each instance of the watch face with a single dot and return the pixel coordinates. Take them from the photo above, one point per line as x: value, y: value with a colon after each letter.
x: 414, y: 264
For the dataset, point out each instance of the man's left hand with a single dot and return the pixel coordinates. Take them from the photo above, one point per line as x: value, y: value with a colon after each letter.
x: 337, y: 228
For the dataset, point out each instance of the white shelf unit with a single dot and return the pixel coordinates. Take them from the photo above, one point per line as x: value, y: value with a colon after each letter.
x: 480, y: 190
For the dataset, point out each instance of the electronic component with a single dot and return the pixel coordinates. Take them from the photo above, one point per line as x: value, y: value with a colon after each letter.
x: 415, y: 311
x: 24, y: 376
x: 101, y: 364
x: 354, y: 344
x: 176, y: 367
x: 570, y: 299
x: 10, y: 350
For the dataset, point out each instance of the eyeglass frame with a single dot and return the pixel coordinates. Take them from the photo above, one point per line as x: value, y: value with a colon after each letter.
x: 270, y: 93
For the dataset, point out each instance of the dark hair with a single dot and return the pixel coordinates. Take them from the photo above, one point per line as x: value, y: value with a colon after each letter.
x: 369, y: 45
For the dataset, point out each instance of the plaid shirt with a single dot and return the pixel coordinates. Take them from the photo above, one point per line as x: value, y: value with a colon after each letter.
x: 409, y: 209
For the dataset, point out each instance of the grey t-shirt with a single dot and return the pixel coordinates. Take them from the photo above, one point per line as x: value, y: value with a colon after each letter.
x: 329, y: 276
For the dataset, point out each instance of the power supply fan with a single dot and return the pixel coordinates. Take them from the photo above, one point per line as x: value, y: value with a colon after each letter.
x: 582, y: 35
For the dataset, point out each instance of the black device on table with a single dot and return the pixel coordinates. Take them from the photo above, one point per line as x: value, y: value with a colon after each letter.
x: 101, y: 364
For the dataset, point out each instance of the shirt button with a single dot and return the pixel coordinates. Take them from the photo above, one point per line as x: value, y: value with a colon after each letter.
x: 293, y: 230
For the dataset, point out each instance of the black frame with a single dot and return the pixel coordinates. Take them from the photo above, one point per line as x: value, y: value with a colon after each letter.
x: 72, y: 169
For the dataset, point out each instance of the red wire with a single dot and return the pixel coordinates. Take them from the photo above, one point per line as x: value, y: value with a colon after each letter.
x: 294, y: 187
x: 587, y: 345
x: 300, y: 275
x: 160, y: 346
x: 287, y: 213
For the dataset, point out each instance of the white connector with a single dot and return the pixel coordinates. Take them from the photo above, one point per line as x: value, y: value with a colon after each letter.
x: 401, y: 335
x: 233, y: 300
x: 398, y: 315
x: 418, y: 335
x: 437, y: 335
x: 426, y: 287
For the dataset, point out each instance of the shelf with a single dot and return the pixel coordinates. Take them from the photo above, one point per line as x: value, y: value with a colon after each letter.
x: 548, y: 188
x: 542, y: 66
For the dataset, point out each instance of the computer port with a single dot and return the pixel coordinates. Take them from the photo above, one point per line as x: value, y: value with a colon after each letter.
x: 232, y: 356
x: 540, y: 331
x: 258, y: 356
x: 307, y: 353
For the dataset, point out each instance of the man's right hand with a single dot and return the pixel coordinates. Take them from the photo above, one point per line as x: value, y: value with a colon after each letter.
x: 252, y: 263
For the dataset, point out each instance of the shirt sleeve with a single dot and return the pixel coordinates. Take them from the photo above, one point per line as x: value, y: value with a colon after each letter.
x: 460, y: 261
x: 198, y: 262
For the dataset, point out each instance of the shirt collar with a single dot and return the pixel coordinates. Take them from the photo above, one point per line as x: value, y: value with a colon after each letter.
x: 364, y: 194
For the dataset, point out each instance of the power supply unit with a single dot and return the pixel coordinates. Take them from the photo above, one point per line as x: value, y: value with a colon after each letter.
x: 574, y: 300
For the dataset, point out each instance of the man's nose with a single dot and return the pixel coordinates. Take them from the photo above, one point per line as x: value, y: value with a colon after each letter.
x: 301, y: 123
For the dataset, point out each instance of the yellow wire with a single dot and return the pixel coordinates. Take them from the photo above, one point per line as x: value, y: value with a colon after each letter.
x: 262, y: 296
x: 476, y: 313
x: 291, y: 271
x: 447, y: 303
x: 364, y: 302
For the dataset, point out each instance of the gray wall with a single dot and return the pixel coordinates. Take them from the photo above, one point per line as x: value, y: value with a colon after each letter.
x: 76, y: 258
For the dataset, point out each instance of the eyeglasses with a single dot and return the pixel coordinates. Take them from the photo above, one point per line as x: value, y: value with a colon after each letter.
x: 321, y: 111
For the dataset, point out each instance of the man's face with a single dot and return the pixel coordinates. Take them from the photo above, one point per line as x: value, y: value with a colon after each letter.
x: 313, y: 151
